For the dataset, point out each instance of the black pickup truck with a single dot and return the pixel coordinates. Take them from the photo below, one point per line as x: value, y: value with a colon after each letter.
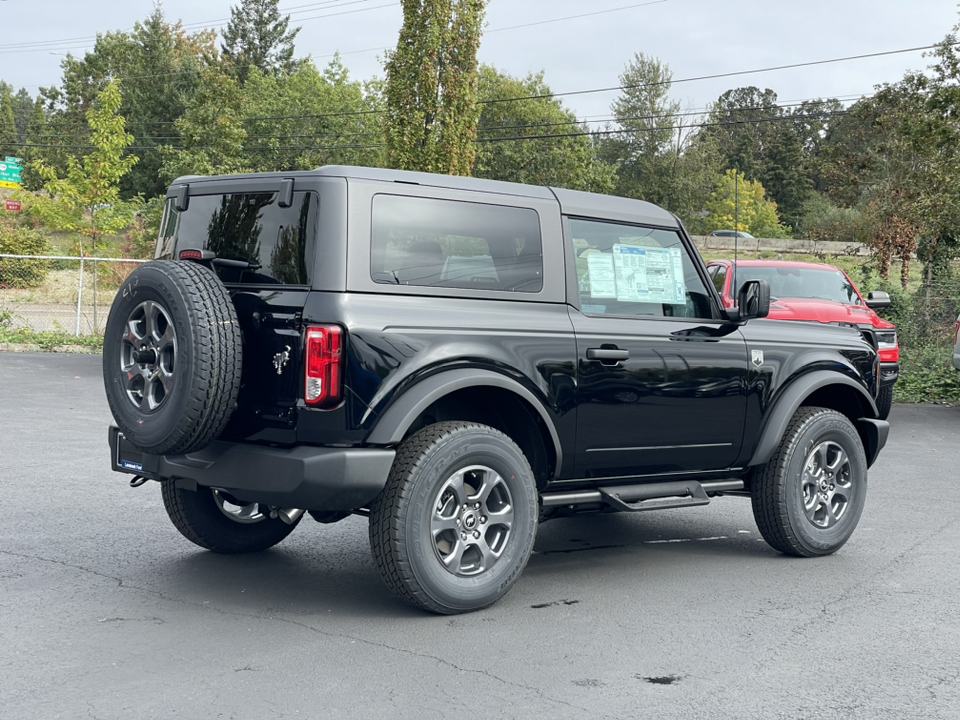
x: 459, y: 360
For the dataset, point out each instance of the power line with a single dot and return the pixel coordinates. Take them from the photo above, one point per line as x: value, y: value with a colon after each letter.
x: 638, y: 86
x: 720, y: 75
x: 516, y: 138
x: 46, y: 45
x: 497, y: 127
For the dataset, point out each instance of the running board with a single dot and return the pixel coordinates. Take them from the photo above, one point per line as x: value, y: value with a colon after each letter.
x: 645, y: 496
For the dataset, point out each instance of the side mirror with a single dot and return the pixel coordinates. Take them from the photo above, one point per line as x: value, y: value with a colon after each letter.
x: 753, y: 301
x: 878, y: 299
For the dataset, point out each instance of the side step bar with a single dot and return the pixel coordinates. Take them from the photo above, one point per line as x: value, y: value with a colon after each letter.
x: 645, y: 496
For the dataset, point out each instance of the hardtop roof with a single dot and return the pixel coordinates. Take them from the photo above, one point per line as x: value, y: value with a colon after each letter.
x: 572, y: 202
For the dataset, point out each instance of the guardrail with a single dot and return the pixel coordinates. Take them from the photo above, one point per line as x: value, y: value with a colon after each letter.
x: 712, y: 243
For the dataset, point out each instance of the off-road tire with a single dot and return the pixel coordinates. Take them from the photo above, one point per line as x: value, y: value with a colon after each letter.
x: 787, y: 519
x: 402, y: 519
x: 885, y: 402
x: 198, y: 518
x: 196, y: 363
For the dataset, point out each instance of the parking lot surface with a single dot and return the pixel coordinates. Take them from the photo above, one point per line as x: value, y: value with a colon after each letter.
x: 107, y: 612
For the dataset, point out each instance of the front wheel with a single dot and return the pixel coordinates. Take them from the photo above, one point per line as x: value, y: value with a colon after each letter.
x: 807, y: 499
x: 456, y: 522
x: 885, y: 402
x: 217, y: 521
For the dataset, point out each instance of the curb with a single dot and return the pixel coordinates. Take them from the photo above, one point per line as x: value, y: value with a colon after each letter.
x: 32, y: 347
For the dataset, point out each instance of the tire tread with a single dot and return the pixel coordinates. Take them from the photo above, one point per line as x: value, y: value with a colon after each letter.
x: 769, y: 497
x: 385, y: 522
x: 213, y: 388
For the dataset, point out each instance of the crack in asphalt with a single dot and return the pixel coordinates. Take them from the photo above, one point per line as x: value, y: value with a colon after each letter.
x: 895, y: 561
x: 939, y: 681
x: 230, y: 613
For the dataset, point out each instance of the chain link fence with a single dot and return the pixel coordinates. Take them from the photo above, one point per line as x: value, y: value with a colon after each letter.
x: 61, y: 294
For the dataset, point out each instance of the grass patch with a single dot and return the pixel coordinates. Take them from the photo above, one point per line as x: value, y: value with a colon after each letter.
x: 48, y: 340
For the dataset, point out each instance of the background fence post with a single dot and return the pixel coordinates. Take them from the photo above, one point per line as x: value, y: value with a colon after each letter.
x: 79, y: 296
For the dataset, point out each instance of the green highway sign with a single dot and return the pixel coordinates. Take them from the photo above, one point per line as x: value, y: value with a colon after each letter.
x: 10, y: 173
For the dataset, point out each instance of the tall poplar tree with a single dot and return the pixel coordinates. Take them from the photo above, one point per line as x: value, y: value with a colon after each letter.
x: 9, y: 139
x: 431, y: 89
x: 258, y: 36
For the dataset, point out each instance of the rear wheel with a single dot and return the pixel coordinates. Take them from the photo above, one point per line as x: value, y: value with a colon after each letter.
x: 456, y: 522
x: 217, y: 521
x: 808, y: 498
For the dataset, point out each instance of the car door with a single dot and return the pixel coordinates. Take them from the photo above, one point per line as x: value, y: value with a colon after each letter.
x: 661, y: 378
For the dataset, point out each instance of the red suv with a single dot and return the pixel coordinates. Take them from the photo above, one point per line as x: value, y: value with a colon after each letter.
x: 817, y: 293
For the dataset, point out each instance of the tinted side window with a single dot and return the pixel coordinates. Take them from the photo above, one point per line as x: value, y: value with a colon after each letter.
x: 719, y: 277
x: 168, y: 231
x: 251, y: 227
x: 636, y: 271
x: 453, y: 244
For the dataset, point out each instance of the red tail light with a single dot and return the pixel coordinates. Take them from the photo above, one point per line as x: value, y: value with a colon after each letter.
x: 191, y: 255
x: 323, y: 377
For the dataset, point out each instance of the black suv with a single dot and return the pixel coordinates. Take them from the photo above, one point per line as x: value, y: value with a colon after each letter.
x: 460, y: 359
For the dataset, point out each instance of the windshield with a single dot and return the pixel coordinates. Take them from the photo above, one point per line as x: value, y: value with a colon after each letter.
x: 797, y: 282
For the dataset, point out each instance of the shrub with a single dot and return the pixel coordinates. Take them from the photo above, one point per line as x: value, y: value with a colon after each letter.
x: 18, y: 240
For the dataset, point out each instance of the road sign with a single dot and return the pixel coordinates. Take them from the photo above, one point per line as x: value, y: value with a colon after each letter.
x: 13, y: 206
x: 10, y: 173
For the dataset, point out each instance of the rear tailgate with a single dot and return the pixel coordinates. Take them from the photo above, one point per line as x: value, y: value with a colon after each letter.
x: 260, y: 240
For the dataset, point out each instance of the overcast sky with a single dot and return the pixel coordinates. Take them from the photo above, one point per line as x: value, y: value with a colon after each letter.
x: 693, y: 37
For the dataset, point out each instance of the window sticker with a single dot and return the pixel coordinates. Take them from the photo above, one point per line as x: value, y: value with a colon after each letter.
x: 651, y: 275
x: 602, y: 277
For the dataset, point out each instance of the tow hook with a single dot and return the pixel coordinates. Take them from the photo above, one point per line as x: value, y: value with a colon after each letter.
x: 137, y: 481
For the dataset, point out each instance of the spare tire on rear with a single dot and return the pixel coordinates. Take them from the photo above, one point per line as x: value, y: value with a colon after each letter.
x: 172, y: 357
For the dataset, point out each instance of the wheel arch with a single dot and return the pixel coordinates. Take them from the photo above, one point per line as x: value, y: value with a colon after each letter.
x: 823, y: 388
x: 480, y: 396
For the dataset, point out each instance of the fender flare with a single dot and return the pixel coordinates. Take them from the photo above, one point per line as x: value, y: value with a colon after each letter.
x: 791, y: 399
x: 393, y: 424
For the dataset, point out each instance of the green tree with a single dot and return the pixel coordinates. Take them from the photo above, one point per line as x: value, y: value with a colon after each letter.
x: 311, y: 118
x: 160, y: 65
x: 766, y: 142
x: 738, y: 203
x: 211, y: 129
x: 9, y: 138
x: 851, y: 155
x: 743, y: 122
x: 87, y: 200
x: 22, y: 110
x: 645, y: 152
x: 692, y: 177
x: 535, y: 140
x: 34, y: 149
x: 431, y: 89
x: 784, y: 177
x: 258, y: 36
x: 812, y: 121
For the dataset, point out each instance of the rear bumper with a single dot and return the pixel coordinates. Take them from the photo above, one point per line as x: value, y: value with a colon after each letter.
x: 889, y: 373
x: 307, y: 477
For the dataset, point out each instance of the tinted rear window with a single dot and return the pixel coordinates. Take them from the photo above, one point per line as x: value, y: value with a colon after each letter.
x: 453, y: 244
x: 250, y: 227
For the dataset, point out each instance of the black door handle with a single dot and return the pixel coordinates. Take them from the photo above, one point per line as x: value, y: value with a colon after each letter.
x: 607, y: 354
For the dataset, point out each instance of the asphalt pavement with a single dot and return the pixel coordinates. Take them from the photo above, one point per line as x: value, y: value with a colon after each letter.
x: 107, y: 612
